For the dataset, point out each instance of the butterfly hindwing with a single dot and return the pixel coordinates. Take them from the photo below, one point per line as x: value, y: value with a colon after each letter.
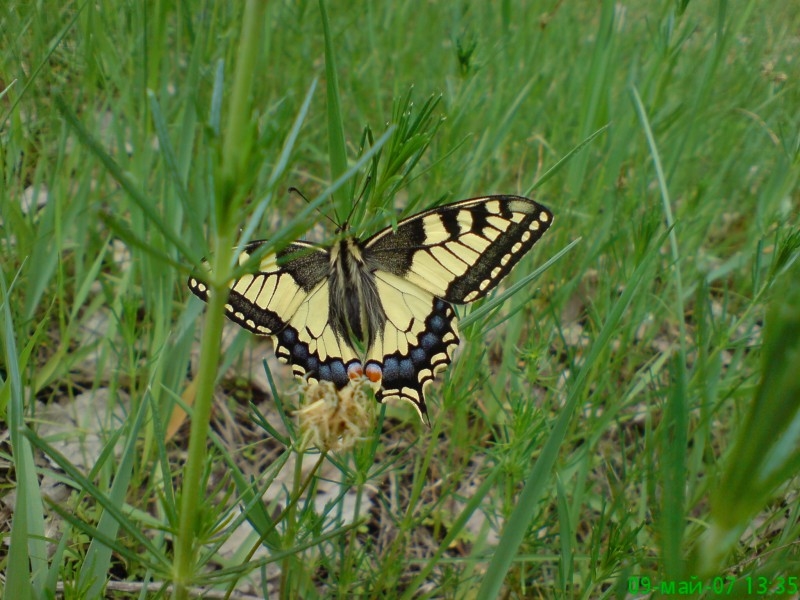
x: 418, y: 340
x: 312, y: 346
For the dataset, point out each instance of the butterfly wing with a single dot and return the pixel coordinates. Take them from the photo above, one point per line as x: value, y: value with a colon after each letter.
x: 452, y: 254
x: 287, y: 299
x: 418, y: 340
x: 461, y: 251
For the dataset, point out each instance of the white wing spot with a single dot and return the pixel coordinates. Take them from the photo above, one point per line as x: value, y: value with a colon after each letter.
x: 544, y: 217
x: 516, y: 248
x: 520, y: 206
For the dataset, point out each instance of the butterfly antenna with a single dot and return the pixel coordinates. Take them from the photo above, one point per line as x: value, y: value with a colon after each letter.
x: 363, y: 193
x: 294, y: 190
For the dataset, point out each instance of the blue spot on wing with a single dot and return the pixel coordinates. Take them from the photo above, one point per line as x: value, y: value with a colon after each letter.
x: 291, y: 349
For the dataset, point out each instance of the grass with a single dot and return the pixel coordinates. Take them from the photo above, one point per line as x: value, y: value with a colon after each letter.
x: 623, y: 424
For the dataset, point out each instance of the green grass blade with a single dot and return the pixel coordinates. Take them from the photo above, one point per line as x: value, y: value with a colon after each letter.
x: 261, y: 206
x: 337, y: 149
x: 766, y: 452
x: 567, y: 563
x: 56, y: 42
x: 291, y: 138
x: 118, y: 174
x: 674, y: 451
x: 174, y: 169
x: 454, y: 531
x: 115, y: 509
x: 234, y: 181
x: 565, y: 159
x: 134, y: 241
x: 92, y: 576
x: 480, y: 314
x: 42, y: 262
x: 27, y: 568
x: 539, y: 476
x: 667, y: 208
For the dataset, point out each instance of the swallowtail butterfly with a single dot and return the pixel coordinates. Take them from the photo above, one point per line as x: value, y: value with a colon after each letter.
x: 382, y: 307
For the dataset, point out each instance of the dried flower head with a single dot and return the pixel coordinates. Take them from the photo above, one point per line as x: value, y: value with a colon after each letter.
x: 334, y: 420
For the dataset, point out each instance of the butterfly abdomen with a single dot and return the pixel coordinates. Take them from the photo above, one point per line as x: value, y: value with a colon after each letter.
x: 356, y: 312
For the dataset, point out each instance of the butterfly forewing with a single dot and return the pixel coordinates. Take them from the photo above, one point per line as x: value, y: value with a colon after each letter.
x: 393, y: 293
x: 265, y: 300
x: 460, y: 252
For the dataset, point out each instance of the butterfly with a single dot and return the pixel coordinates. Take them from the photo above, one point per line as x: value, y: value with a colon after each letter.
x: 383, y: 307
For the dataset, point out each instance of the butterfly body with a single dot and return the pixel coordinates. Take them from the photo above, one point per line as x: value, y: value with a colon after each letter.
x: 382, y: 307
